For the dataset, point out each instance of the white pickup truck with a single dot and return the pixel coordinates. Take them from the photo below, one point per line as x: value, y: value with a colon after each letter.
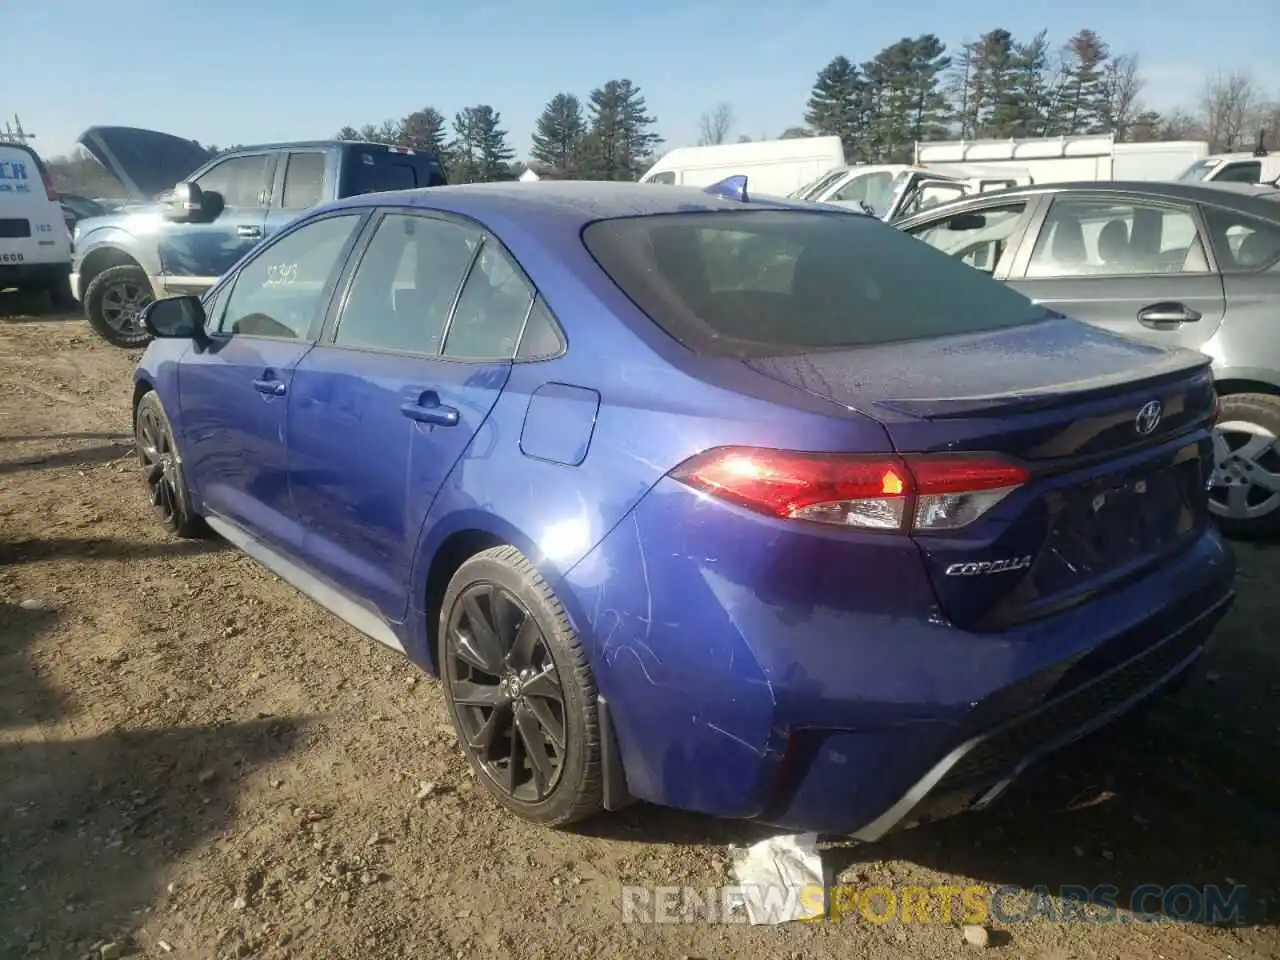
x: 894, y: 190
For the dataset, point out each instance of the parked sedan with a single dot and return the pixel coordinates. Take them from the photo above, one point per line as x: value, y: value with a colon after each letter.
x: 1172, y: 264
x: 757, y: 509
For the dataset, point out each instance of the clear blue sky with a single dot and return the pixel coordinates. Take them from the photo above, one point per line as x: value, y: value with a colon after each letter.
x: 243, y: 71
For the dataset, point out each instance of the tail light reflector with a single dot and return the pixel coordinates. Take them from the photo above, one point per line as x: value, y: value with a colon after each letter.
x: 924, y: 492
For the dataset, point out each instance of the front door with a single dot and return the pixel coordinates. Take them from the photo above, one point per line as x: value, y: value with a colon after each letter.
x: 234, y: 394
x: 381, y: 414
x: 194, y: 255
x: 1134, y: 266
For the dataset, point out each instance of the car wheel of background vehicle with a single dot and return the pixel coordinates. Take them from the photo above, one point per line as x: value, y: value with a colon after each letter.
x: 112, y: 302
x: 60, y: 293
x: 157, y: 452
x: 1244, y: 496
x: 520, y: 690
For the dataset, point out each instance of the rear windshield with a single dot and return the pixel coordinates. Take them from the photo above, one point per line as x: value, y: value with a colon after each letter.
x: 377, y: 171
x: 760, y: 283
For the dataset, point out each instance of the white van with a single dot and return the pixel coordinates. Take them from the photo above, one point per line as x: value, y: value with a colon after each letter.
x: 774, y: 167
x: 35, y: 245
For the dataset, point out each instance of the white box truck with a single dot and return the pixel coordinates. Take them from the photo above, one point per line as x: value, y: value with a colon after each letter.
x: 1070, y: 158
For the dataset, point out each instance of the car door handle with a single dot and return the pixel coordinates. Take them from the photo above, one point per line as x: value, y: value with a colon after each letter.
x: 1166, y: 316
x: 272, y: 388
x: 250, y: 233
x: 428, y: 409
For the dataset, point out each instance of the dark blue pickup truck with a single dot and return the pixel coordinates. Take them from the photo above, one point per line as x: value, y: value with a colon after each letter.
x: 194, y: 215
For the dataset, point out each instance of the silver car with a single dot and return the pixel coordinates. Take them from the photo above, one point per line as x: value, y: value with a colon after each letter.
x: 1195, y: 265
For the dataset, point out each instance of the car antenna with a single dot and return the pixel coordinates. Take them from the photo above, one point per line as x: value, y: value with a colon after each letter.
x: 730, y: 188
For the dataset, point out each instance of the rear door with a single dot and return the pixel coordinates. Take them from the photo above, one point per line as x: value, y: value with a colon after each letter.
x: 194, y: 255
x: 1133, y: 265
x: 234, y: 394
x: 382, y: 410
x: 32, y: 231
x: 305, y: 178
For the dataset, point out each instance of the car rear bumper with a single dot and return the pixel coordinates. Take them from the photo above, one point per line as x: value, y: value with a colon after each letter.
x: 15, y: 274
x: 767, y: 671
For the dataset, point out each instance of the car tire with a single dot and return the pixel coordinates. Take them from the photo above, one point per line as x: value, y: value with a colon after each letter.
x: 60, y: 293
x: 513, y: 668
x: 1245, y: 449
x: 111, y: 293
x: 166, y: 482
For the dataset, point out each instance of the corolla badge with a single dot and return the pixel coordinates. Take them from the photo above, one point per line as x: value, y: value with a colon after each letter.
x: 984, y: 567
x: 1148, y: 417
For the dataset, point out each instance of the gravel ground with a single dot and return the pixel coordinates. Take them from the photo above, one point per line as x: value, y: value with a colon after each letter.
x: 196, y: 761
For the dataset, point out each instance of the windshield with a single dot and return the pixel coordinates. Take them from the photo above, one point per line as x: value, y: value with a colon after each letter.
x: 815, y: 187
x: 765, y: 283
x: 1198, y: 171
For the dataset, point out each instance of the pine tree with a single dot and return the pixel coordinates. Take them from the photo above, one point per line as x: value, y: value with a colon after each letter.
x: 558, y: 136
x: 480, y: 150
x: 1082, y: 105
x: 619, y: 144
x: 838, y: 103
x: 425, y: 131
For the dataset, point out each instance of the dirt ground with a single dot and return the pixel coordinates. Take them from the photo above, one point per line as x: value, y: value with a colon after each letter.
x: 196, y: 761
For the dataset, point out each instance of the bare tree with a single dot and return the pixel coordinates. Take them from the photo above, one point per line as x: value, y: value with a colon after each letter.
x: 1231, y: 103
x: 1121, y: 84
x: 714, y: 125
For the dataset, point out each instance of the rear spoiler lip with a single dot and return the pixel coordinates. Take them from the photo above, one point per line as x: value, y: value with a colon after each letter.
x: 1181, y: 366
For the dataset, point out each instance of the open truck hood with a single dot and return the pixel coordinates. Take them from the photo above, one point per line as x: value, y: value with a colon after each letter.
x: 146, y: 162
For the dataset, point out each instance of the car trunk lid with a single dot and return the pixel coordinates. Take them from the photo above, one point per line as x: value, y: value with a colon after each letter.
x: 1114, y: 433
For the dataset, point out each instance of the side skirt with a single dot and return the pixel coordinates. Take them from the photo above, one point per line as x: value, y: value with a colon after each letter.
x: 367, y: 621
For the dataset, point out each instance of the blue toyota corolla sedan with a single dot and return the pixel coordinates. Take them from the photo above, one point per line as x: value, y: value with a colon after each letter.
x: 757, y: 509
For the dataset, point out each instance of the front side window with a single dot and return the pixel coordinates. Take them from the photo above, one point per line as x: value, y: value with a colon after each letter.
x: 666, y: 176
x: 979, y: 238
x: 1198, y: 171
x: 873, y: 189
x: 774, y: 282
x: 283, y: 291
x: 406, y: 285
x: 1100, y: 237
x: 240, y: 181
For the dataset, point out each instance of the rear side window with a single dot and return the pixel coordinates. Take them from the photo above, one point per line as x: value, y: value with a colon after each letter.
x: 378, y: 171
x: 769, y: 282
x: 303, y: 180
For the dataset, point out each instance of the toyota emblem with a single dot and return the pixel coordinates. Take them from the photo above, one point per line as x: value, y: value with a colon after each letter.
x: 1148, y: 418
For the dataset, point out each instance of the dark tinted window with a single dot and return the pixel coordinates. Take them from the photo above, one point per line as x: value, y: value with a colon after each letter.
x: 541, y: 337
x: 240, y: 180
x: 783, y: 281
x: 492, y: 309
x: 1248, y: 172
x: 406, y: 284
x: 1242, y: 243
x: 282, y: 291
x: 304, y: 180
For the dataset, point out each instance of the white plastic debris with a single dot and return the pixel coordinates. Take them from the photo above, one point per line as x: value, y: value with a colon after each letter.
x: 781, y: 879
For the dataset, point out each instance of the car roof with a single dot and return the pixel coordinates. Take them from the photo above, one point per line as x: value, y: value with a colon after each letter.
x: 1236, y: 196
x: 570, y: 201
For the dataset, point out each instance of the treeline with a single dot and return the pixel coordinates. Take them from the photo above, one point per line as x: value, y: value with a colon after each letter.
x: 610, y: 139
x: 999, y: 86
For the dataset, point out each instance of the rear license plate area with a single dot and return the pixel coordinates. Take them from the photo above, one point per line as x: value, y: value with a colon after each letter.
x: 1101, y: 527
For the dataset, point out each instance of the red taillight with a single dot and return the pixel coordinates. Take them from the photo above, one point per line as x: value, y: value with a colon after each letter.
x: 49, y: 192
x: 916, y: 492
x: 1217, y: 409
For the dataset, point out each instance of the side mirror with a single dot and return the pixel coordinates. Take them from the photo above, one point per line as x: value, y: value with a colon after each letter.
x: 175, y: 318
x: 189, y: 204
x: 967, y: 221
